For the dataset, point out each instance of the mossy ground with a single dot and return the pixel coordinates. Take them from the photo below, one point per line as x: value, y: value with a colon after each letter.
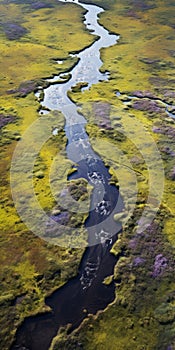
x: 141, y: 64
x: 30, y: 267
x: 142, y: 316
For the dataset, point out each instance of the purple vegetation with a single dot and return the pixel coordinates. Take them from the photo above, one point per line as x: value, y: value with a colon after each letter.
x: 160, y: 264
x: 133, y: 243
x: 102, y: 115
x: 6, y: 119
x: 138, y: 261
x: 157, y: 130
x: 14, y: 31
x: 150, y: 252
x: 142, y: 94
x: 39, y: 5
x: 161, y: 82
x: 169, y: 93
x: 25, y: 88
x: 137, y: 6
x: 147, y: 105
x: 168, y: 150
x: 164, y: 130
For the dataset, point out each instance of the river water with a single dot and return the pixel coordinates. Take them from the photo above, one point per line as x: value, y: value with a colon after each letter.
x: 86, y: 293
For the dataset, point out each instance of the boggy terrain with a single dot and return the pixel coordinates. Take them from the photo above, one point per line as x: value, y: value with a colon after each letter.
x: 140, y: 91
x: 30, y: 267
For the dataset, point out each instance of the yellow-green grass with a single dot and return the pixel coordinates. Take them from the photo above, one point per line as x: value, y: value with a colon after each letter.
x: 142, y: 316
x: 30, y: 267
x: 28, y: 264
x: 144, y: 36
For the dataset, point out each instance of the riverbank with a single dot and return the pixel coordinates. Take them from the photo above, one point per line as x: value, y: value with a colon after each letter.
x: 87, y: 290
x: 142, y: 315
x: 30, y: 267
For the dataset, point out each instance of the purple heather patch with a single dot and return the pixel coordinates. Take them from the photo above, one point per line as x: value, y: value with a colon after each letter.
x: 150, y: 253
x: 147, y: 105
x: 168, y: 150
x: 157, y: 130
x: 133, y: 243
x: 138, y: 261
x: 6, y: 119
x: 169, y: 93
x: 160, y: 264
x: 25, y: 88
x: 14, y: 31
x: 161, y: 82
x: 39, y: 5
x: 142, y: 94
x: 102, y: 112
x: 164, y: 130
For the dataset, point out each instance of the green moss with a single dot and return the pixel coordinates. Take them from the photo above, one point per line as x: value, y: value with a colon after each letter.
x: 142, y: 316
x: 33, y: 268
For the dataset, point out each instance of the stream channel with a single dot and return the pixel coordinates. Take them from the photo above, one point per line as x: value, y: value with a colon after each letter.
x: 86, y: 293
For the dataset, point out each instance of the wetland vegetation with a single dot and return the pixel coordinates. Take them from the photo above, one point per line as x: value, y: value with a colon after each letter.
x: 139, y: 89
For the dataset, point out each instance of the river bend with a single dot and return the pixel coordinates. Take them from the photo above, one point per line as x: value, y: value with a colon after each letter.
x: 86, y: 293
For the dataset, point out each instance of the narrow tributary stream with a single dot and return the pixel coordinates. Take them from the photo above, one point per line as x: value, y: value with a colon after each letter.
x: 86, y: 293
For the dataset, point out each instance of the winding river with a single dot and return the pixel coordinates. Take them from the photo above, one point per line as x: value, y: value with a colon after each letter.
x: 86, y: 293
